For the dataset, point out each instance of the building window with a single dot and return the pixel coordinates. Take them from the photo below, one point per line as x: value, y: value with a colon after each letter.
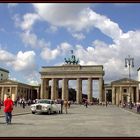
x: 125, y: 90
x: 8, y: 90
x: 1, y: 74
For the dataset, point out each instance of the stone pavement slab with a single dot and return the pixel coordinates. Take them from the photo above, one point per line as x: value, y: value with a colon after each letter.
x: 16, y: 111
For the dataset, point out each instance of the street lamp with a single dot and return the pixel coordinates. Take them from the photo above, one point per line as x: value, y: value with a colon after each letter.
x: 129, y: 62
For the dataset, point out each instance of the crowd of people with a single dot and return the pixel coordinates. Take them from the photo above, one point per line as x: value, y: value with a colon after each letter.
x: 131, y: 105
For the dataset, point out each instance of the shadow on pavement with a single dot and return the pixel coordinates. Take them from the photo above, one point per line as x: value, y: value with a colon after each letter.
x: 17, y: 123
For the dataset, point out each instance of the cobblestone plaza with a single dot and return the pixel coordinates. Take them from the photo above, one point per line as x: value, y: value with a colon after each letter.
x: 94, y: 121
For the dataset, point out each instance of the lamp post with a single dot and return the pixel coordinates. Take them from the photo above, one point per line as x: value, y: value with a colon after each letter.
x: 129, y: 62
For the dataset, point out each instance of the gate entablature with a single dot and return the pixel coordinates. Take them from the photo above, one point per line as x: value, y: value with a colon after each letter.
x: 67, y: 72
x: 72, y: 71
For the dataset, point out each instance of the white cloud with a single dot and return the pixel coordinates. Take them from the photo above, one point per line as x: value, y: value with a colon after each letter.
x: 21, y: 62
x: 31, y: 39
x: 112, y: 56
x: 60, y: 14
x: 25, y: 61
x: 105, y: 25
x: 79, y: 36
x: 10, y: 5
x: 77, y: 17
x: 52, y: 29
x: 65, y: 47
x: 6, y: 56
x: 49, y: 54
x: 28, y: 21
x: 33, y: 78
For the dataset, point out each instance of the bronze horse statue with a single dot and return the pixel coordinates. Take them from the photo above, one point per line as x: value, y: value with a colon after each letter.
x: 72, y: 60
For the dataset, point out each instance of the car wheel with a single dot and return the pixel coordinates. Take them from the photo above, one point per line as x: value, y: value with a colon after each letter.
x: 33, y: 112
x: 49, y: 112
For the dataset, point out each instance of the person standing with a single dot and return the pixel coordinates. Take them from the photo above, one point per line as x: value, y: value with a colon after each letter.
x: 8, y: 108
x: 66, y: 105
x: 61, y: 102
x: 0, y: 103
x: 86, y: 103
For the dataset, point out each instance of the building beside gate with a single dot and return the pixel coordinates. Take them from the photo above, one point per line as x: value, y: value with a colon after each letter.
x: 123, y: 90
x: 4, y: 74
x: 68, y: 72
x: 18, y: 90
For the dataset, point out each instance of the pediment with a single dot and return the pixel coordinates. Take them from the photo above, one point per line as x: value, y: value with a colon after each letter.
x: 8, y: 82
x: 124, y: 81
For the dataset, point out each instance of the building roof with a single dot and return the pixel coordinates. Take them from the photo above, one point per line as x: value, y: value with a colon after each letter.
x: 125, y: 81
x: 2, y: 69
x: 12, y: 82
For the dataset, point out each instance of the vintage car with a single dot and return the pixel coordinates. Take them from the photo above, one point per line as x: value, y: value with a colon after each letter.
x: 46, y: 106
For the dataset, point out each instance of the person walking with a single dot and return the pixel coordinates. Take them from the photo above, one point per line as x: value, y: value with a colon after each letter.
x: 61, y: 102
x: 106, y: 103
x: 0, y: 103
x: 86, y: 103
x: 8, y: 108
x: 66, y: 105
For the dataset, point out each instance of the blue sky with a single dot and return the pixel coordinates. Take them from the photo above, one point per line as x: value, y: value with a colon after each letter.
x: 36, y: 35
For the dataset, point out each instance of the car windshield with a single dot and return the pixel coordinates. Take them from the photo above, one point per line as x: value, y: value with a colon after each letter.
x: 44, y: 101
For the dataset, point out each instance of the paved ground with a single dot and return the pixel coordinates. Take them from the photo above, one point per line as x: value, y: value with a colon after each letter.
x: 94, y: 121
x: 17, y: 111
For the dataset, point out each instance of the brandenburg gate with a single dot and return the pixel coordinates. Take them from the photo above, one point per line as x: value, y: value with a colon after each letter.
x: 68, y: 72
x: 71, y: 71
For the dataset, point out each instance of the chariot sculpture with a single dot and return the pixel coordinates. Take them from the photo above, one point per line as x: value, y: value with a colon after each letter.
x: 72, y: 59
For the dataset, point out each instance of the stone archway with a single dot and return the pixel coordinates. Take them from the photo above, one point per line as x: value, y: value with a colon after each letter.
x: 69, y: 72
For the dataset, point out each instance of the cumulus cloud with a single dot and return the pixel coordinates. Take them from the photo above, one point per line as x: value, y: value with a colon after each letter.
x: 22, y: 61
x: 50, y: 54
x: 33, y: 78
x: 79, y: 36
x: 60, y: 14
x: 112, y: 56
x: 77, y: 17
x: 25, y: 61
x: 6, y: 56
x: 27, y: 21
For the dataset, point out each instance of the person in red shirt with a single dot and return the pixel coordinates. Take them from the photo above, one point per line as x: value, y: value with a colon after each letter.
x: 8, y: 108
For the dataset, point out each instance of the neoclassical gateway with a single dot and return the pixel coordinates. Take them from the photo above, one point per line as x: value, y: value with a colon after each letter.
x: 71, y: 71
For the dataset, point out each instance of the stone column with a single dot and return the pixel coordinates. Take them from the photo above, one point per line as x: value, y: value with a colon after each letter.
x: 16, y: 90
x: 79, y: 91
x: 89, y: 89
x: 117, y: 97
x: 2, y: 94
x: 11, y: 92
x: 100, y: 90
x: 132, y: 94
x: 44, y: 88
x: 121, y: 95
x: 113, y: 95
x: 57, y: 87
x: 65, y: 89
x: 129, y: 93
x: 105, y: 92
x: 53, y: 89
x: 137, y: 93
